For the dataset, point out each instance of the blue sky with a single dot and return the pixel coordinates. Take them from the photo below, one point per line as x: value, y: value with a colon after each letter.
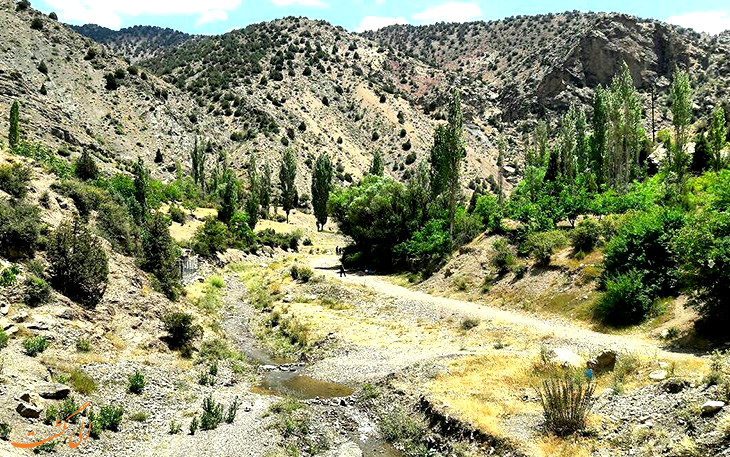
x: 219, y: 16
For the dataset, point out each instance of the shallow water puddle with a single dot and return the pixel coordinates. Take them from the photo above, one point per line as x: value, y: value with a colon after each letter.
x: 292, y: 384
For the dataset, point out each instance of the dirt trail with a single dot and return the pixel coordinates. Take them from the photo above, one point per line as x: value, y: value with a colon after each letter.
x: 562, y: 331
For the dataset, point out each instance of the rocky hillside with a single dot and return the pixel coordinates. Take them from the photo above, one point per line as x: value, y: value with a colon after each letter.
x: 546, y: 62
x: 135, y: 43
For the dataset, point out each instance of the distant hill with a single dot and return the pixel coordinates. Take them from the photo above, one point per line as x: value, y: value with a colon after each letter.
x: 135, y: 43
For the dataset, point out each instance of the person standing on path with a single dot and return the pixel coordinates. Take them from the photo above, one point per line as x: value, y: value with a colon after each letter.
x: 342, y: 271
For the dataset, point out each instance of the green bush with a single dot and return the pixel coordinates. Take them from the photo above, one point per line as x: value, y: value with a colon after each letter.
x: 566, y: 405
x: 541, y: 245
x: 20, y: 227
x: 586, y: 235
x: 79, y: 264
x: 4, y: 431
x: 211, y: 238
x: 115, y: 224
x: 177, y: 214
x: 504, y: 259
x: 108, y: 418
x: 137, y: 383
x: 35, y: 345
x: 301, y: 273
x: 181, y: 329
x: 487, y: 209
x: 161, y: 254
x: 87, y: 198
x: 83, y: 345
x: 3, y: 339
x: 212, y: 414
x: 626, y: 300
x: 37, y: 291
x: 9, y: 276
x: 269, y: 237
x: 85, y: 168
x: 14, y: 179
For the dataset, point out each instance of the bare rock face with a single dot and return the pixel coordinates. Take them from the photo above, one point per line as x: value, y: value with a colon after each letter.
x: 53, y: 391
x: 28, y: 411
x: 566, y: 358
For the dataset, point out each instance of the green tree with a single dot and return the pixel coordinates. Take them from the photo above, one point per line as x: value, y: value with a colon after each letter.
x: 717, y: 138
x: 599, y: 138
x: 230, y: 197
x: 581, y: 141
x: 447, y: 154
x: 287, y: 178
x: 265, y: 188
x: 86, y: 167
x: 197, y: 159
x: 702, y: 157
x: 79, y: 264
x: 677, y: 156
x: 567, y: 143
x: 160, y: 255
x: 14, y: 133
x: 376, y: 168
x: 158, y: 156
x: 253, y: 199
x: 321, y: 187
x: 141, y: 188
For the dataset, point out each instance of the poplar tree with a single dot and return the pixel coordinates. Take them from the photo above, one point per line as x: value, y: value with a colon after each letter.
x: 265, y: 188
x: 677, y: 157
x: 14, y: 133
x: 321, y: 188
x: 717, y: 138
x: 600, y: 134
x: 376, y: 168
x: 287, y: 178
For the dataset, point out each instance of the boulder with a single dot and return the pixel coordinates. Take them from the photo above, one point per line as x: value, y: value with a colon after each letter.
x: 711, y: 407
x: 675, y: 386
x: 605, y: 361
x: 53, y: 391
x: 659, y: 375
x: 566, y: 358
x: 28, y: 411
x: 20, y: 317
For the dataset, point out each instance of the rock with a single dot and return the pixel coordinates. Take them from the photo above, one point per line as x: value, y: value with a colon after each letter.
x: 67, y: 314
x: 659, y: 375
x: 20, y: 317
x: 28, y: 411
x: 25, y: 397
x: 711, y: 407
x: 268, y: 367
x: 608, y: 392
x: 348, y: 449
x: 37, y: 325
x: 4, y: 309
x: 566, y: 358
x: 53, y: 391
x: 605, y: 361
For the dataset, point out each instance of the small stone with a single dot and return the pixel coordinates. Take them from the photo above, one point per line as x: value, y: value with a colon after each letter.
x: 67, y: 314
x: 53, y: 391
x: 605, y: 361
x: 28, y: 411
x: 20, y: 317
x: 608, y: 392
x: 711, y: 407
x: 659, y: 375
x: 4, y: 309
x: 25, y: 397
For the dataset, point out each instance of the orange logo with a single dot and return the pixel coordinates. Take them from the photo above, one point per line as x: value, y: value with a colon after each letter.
x: 60, y: 423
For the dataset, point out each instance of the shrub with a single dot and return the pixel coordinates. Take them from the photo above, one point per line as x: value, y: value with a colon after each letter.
x: 212, y: 414
x: 110, y: 418
x: 86, y: 167
x: 541, y: 245
x: 3, y: 339
x: 181, y: 329
x: 35, y: 345
x: 488, y: 210
x: 36, y: 24
x: 566, y: 405
x: 20, y: 227
x: 14, y: 179
x: 5, y: 431
x: 586, y: 235
x: 82, y: 382
x: 140, y: 416
x: 469, y: 323
x: 177, y: 214
x: 211, y: 238
x: 9, y: 276
x: 175, y: 427
x: 301, y: 273
x: 232, y: 411
x: 137, y: 383
x: 83, y: 345
x: 504, y: 259
x: 79, y: 264
x: 626, y: 300
x: 161, y: 255
x: 194, y: 424
x: 37, y: 291
x: 68, y: 407
x: 114, y: 223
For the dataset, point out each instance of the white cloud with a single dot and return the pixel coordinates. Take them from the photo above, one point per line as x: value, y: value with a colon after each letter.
x: 317, y: 3
x: 449, y: 12
x: 376, y: 22
x: 712, y: 22
x: 109, y: 13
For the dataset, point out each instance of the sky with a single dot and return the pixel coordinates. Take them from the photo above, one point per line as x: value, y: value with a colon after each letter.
x: 220, y: 16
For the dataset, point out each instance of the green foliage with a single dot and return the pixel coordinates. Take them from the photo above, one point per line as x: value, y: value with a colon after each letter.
x: 14, y: 179
x: 677, y: 159
x: 212, y: 237
x: 35, y: 345
x: 284, y: 241
x: 82, y: 382
x: 230, y: 198
x: 287, y: 177
x: 194, y: 424
x: 137, y: 383
x: 376, y: 168
x: 3, y: 339
x: 212, y: 414
x: 541, y: 245
x: 428, y: 245
x: 160, y: 255
x: 86, y: 167
x: 488, y: 210
x: 9, y: 276
x: 321, y: 188
x: 83, y: 345
x: 177, y: 214
x: 232, y: 411
x: 14, y: 132
x: 20, y: 227
x: 110, y: 418
x: 79, y: 264
x: 59, y: 166
x: 37, y: 291
x: 566, y: 405
x: 141, y: 189
x: 626, y: 300
x: 717, y: 138
x: 175, y: 427
x: 181, y: 329
x: 114, y: 223
x: 504, y: 258
x: 301, y: 273
x: 586, y: 235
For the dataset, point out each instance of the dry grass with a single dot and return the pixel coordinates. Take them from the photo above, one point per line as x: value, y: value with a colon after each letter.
x: 551, y: 446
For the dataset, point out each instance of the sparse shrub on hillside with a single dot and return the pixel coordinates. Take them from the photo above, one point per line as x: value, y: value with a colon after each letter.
x: 177, y: 214
x: 566, y: 405
x: 36, y: 23
x: 504, y: 258
x: 20, y: 227
x: 212, y: 237
x: 115, y: 224
x: 3, y: 338
x: 212, y: 414
x: 79, y: 263
x: 161, y: 254
x: 86, y: 167
x: 586, y: 235
x: 301, y: 273
x: 35, y: 345
x: 14, y: 179
x: 137, y: 383
x: 22, y: 5
x: 541, y: 245
x: 37, y: 291
x: 181, y: 329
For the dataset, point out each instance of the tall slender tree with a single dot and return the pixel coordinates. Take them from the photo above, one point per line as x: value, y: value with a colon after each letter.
x: 321, y: 187
x: 677, y: 156
x: 581, y: 141
x: 14, y: 133
x: 141, y: 188
x: 287, y: 178
x: 197, y: 159
x: 253, y: 199
x: 702, y: 158
x: 376, y: 168
x: 717, y: 138
x: 230, y: 196
x: 600, y: 133
x: 265, y: 188
x: 447, y: 155
x: 567, y: 145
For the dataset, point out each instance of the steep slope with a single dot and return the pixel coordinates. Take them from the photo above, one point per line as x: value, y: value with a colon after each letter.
x: 135, y: 43
x: 318, y: 88
x: 60, y: 80
x: 545, y: 63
